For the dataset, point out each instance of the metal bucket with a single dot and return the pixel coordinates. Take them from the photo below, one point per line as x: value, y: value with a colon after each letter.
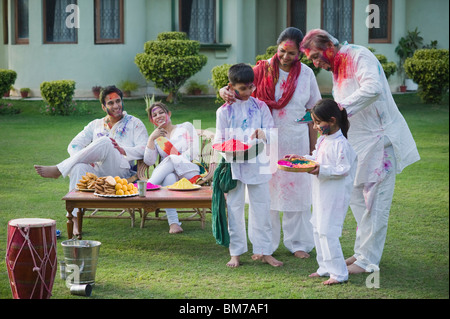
x: 81, y: 258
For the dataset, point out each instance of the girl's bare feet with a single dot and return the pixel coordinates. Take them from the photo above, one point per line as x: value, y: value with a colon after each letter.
x: 47, y: 171
x: 350, y: 260
x: 234, y: 262
x: 267, y: 259
x: 175, y: 229
x: 314, y: 275
x: 301, y: 254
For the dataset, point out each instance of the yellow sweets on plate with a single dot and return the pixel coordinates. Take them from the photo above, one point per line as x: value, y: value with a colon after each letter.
x: 182, y: 184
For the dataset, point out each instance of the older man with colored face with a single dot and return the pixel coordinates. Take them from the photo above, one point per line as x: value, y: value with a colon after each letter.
x: 105, y: 147
x: 378, y: 133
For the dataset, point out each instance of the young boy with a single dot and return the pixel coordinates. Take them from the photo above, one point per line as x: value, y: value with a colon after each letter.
x: 244, y: 120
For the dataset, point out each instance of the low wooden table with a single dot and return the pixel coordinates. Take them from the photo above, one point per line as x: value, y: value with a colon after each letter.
x: 162, y: 198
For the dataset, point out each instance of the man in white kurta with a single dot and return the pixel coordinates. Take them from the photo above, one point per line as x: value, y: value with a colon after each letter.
x: 239, y: 121
x: 378, y: 133
x: 105, y: 147
x: 331, y: 192
x: 290, y: 192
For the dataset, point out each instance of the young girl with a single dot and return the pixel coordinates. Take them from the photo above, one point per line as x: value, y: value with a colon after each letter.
x: 180, y: 149
x: 332, y: 188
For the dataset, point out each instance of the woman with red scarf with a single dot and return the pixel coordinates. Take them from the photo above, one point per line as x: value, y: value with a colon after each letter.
x: 289, y: 88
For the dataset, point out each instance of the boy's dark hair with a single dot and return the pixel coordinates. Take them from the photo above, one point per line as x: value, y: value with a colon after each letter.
x: 241, y: 73
x: 108, y: 90
x: 327, y: 108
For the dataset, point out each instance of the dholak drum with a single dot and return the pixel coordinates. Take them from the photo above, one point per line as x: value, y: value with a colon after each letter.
x: 31, y: 257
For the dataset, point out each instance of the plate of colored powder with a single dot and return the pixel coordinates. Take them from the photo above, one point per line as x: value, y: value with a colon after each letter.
x: 150, y: 186
x: 296, y: 165
x: 183, y: 185
x: 239, y: 151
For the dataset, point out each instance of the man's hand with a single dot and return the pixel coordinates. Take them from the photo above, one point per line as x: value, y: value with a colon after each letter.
x: 116, y: 146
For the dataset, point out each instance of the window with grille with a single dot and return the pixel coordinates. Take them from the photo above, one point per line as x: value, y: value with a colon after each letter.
x: 297, y: 14
x: 21, y: 21
x: 382, y: 33
x: 198, y: 19
x: 109, y: 21
x: 337, y: 19
x: 55, y: 18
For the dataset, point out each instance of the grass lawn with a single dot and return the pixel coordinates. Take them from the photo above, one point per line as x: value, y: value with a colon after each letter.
x: 149, y: 263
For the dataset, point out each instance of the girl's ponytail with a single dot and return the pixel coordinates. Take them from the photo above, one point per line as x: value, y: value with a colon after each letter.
x: 325, y: 109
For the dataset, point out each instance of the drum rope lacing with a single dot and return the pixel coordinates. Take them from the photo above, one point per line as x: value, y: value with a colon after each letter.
x: 46, y: 257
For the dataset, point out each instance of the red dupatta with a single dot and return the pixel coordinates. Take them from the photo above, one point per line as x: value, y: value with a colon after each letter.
x: 266, y: 78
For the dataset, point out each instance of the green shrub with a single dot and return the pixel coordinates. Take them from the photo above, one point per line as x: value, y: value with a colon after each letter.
x: 219, y: 79
x: 170, y: 61
x: 7, y: 79
x: 58, y: 95
x: 388, y: 67
x: 429, y: 69
x: 270, y: 51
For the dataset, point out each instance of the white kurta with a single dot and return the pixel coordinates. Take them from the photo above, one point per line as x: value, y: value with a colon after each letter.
x: 362, y: 88
x: 239, y: 120
x: 130, y: 133
x: 290, y: 191
x: 332, y: 188
x: 185, y: 139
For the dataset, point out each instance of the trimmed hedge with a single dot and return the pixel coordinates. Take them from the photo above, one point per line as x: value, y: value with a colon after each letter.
x: 429, y: 68
x: 170, y: 61
x: 58, y: 94
x: 7, y: 79
x: 219, y: 79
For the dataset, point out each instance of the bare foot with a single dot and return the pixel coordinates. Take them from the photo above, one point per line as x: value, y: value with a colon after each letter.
x: 301, y: 254
x: 234, y: 262
x: 355, y: 269
x: 331, y: 281
x: 268, y: 259
x: 314, y: 275
x: 175, y: 229
x: 350, y: 260
x: 47, y: 171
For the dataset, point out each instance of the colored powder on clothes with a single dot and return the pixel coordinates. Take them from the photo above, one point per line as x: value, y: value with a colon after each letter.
x: 231, y: 146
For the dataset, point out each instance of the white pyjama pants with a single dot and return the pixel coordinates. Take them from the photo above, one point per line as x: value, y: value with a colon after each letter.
x: 164, y: 174
x: 330, y: 257
x: 259, y: 225
x: 297, y: 230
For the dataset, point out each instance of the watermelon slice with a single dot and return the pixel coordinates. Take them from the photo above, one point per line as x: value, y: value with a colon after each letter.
x: 166, y: 146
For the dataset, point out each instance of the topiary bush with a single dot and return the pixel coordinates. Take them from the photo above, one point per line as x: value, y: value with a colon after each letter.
x: 429, y: 69
x: 169, y: 61
x: 219, y: 79
x: 270, y: 51
x: 58, y: 94
x: 7, y: 79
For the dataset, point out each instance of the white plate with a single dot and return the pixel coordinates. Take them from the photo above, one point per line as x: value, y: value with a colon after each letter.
x: 184, y: 189
x: 118, y: 196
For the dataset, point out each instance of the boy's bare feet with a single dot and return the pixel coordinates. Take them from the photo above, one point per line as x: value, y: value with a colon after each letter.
x: 301, y: 254
x: 267, y: 259
x: 175, y: 229
x: 314, y: 275
x: 355, y: 269
x: 350, y: 260
x: 234, y: 262
x: 47, y: 171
